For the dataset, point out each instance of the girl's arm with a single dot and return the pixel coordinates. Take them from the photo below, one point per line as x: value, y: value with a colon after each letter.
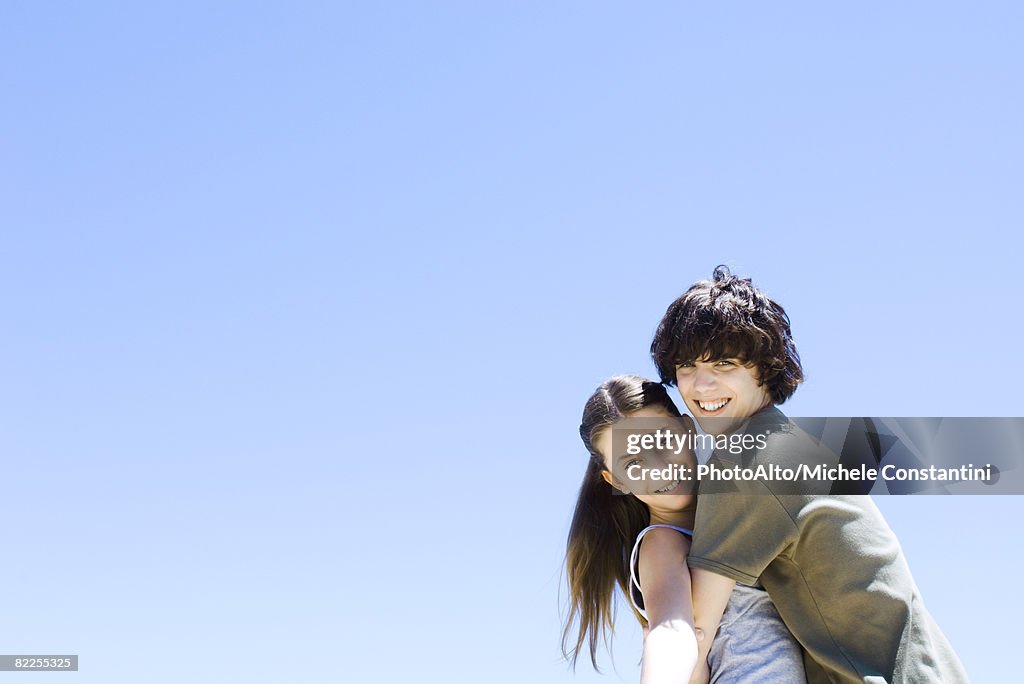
x: 670, y: 647
x: 711, y: 594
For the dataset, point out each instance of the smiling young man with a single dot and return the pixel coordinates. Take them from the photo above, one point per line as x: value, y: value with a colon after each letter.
x: 830, y: 563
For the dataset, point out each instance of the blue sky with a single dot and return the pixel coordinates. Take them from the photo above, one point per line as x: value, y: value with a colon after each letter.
x: 302, y: 303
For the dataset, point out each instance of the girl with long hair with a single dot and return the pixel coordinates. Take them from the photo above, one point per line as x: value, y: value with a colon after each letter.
x: 634, y: 532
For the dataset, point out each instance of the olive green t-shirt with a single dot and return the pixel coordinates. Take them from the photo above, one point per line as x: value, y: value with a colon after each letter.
x: 831, y: 565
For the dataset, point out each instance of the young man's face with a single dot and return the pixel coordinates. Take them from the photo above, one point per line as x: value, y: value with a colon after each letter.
x: 720, y: 390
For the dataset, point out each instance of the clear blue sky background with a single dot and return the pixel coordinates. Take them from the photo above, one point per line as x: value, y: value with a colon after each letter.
x: 301, y: 303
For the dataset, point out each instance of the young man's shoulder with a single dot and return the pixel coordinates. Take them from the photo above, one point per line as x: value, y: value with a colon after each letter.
x: 778, y: 442
x: 779, y: 458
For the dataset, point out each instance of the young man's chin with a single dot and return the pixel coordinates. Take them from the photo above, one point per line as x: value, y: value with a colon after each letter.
x: 718, y: 425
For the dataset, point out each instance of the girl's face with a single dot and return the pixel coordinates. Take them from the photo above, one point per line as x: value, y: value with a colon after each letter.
x: 663, y: 476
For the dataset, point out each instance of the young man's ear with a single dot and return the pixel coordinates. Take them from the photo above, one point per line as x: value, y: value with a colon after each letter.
x: 610, y: 479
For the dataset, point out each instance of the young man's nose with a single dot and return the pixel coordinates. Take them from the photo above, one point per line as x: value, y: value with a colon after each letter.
x: 703, y: 378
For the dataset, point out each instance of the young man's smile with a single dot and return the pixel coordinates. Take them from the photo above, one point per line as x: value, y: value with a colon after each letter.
x: 712, y: 406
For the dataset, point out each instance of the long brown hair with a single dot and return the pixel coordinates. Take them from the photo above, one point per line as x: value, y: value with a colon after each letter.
x: 605, y: 523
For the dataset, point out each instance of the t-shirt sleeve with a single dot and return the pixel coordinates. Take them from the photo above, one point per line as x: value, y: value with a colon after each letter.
x: 738, y: 534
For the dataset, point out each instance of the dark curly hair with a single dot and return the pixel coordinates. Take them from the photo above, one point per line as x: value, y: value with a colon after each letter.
x: 728, y: 318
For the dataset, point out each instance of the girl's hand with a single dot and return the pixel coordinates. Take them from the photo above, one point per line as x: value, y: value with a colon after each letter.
x: 702, y: 673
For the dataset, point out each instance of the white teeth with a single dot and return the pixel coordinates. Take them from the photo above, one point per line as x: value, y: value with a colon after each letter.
x: 669, y: 488
x: 713, y: 406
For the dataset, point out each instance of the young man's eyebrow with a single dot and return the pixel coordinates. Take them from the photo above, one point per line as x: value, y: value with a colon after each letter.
x: 711, y: 359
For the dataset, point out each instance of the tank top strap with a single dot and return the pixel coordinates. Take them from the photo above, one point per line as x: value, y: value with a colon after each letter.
x: 636, y: 596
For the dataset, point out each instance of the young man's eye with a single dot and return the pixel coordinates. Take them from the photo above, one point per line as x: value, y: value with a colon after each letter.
x: 725, y: 362
x: 685, y: 365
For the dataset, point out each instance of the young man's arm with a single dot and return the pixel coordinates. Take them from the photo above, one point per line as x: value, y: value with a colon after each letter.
x: 711, y: 593
x: 736, y: 537
x: 670, y: 647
